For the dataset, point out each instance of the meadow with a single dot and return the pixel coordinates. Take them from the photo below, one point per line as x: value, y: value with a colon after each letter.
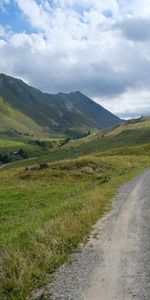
x: 124, y: 136
x: 47, y: 210
x: 47, y: 213
x: 32, y: 146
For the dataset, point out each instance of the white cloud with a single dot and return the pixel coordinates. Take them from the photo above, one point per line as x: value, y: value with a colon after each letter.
x: 83, y: 45
x: 129, y: 104
x: 37, y: 14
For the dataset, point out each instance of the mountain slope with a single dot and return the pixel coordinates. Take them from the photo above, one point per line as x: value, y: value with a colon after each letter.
x: 51, y: 113
x: 11, y: 118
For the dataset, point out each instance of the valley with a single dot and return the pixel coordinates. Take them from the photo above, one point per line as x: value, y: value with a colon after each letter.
x: 56, y: 186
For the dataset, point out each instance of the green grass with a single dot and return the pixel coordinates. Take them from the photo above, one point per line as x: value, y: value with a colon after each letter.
x: 47, y: 213
x: 53, y: 139
x: 121, y: 137
x: 9, y: 143
x: 29, y: 145
x: 13, y: 118
x: 65, y: 153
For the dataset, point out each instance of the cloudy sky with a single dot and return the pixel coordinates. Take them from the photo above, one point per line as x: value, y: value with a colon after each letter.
x: 100, y: 47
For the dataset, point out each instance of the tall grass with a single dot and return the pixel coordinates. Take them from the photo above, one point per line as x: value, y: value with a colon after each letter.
x: 47, y: 213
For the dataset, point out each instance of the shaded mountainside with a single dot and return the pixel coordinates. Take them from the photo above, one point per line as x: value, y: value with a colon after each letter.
x: 25, y: 108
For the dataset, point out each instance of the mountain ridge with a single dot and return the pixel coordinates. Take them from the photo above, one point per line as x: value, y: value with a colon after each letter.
x: 53, y: 112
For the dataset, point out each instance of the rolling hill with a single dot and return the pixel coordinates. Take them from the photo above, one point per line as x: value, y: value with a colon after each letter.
x: 50, y: 202
x: 28, y: 110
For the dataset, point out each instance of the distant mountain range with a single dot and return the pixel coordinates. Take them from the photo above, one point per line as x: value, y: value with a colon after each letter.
x: 27, y: 110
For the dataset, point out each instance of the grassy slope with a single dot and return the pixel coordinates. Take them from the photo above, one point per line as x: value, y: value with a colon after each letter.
x: 125, y: 139
x: 10, y: 141
x: 13, y: 118
x: 28, y: 144
x: 17, y: 129
x: 46, y: 213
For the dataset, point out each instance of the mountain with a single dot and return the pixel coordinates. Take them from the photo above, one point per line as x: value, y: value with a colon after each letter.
x: 27, y: 109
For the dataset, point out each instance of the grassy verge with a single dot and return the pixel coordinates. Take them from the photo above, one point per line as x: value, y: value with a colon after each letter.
x: 47, y: 213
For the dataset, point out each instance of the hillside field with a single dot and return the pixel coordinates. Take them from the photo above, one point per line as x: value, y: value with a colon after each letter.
x: 48, y: 209
x: 125, y: 139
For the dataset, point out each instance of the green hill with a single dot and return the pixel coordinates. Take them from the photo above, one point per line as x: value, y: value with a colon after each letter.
x: 122, y: 138
x: 27, y: 109
x: 13, y: 119
x: 50, y: 202
x: 127, y: 138
x: 48, y: 207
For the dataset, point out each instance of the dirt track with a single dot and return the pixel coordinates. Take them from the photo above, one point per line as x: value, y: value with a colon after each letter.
x: 115, y: 263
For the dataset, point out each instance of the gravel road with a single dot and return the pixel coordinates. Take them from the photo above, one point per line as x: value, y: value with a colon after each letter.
x: 115, y: 263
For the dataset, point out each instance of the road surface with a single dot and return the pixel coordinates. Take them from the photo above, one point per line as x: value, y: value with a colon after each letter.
x: 115, y: 263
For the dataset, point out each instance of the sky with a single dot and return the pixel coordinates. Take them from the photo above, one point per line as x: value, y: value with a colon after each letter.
x: 101, y: 48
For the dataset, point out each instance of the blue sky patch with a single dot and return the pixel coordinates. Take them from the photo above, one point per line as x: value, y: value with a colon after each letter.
x: 108, y: 13
x: 81, y: 9
x: 14, y: 18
